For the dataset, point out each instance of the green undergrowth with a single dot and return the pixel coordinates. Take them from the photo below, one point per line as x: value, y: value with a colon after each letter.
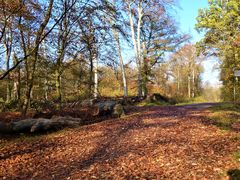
x: 195, y: 100
x: 155, y: 103
x: 225, y: 115
x: 174, y: 101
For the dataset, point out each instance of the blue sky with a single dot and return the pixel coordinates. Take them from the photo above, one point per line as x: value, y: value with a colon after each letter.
x: 186, y: 16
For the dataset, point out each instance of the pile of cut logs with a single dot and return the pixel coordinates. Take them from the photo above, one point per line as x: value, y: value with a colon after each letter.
x: 32, y: 125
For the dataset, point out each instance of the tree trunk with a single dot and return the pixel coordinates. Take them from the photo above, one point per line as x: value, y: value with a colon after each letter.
x: 95, y: 71
x: 58, y: 86
x: 8, y: 51
x: 17, y: 80
x: 189, y: 87
x: 62, y: 43
x: 140, y: 50
x: 45, y: 89
x: 39, y: 125
x: 125, y: 87
x: 35, y: 58
x: 144, y: 74
x: 193, y: 83
x: 91, y: 75
x: 58, y: 72
x: 178, y: 80
x: 135, y: 49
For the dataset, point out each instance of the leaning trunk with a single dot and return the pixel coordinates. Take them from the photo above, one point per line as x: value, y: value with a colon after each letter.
x: 135, y: 50
x: 125, y: 88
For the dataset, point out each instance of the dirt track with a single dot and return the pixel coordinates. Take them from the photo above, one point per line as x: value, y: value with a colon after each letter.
x: 152, y: 142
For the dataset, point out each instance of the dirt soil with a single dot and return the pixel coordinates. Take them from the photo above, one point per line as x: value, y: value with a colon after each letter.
x: 148, y: 143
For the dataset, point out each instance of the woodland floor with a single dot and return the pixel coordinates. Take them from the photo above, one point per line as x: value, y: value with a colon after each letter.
x: 149, y: 142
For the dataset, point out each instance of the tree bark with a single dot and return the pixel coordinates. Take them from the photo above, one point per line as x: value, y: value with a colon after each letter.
x: 189, y: 86
x: 35, y: 57
x: 124, y: 79
x: 178, y: 80
x: 140, y: 49
x: 112, y: 108
x: 62, y: 44
x: 193, y: 83
x: 135, y: 48
x: 39, y: 125
x: 145, y: 74
x: 8, y: 51
x: 17, y: 81
x: 95, y: 71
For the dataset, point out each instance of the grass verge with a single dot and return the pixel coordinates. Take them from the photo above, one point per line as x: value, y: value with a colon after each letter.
x: 225, y: 115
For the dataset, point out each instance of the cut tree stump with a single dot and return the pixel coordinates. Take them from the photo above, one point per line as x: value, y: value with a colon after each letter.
x: 112, y: 108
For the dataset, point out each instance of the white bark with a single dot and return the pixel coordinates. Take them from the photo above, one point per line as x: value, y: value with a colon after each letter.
x: 116, y: 37
x: 189, y: 86
x: 95, y: 71
x: 8, y: 50
x: 139, y: 31
x: 193, y: 83
x: 15, y: 89
x: 178, y: 80
x: 137, y: 48
x: 132, y: 29
x: 125, y: 88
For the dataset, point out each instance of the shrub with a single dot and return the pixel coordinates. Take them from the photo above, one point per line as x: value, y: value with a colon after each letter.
x: 11, y: 106
x: 42, y: 105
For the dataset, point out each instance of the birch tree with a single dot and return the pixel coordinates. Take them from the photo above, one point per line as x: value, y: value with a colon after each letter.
x: 149, y: 16
x: 114, y: 22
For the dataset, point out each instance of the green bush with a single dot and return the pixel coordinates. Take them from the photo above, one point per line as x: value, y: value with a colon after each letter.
x: 11, y: 106
x: 2, y: 104
x: 42, y: 105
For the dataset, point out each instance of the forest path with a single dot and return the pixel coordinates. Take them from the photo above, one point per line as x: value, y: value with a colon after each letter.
x: 149, y: 142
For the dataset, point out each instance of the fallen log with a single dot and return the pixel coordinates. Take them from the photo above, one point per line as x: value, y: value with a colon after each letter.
x: 88, y: 102
x: 112, y: 108
x: 42, y: 125
x: 39, y: 125
x: 118, y: 110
